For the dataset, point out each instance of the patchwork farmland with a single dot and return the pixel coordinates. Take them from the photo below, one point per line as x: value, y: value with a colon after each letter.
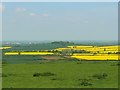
x: 79, y: 52
x: 55, y: 65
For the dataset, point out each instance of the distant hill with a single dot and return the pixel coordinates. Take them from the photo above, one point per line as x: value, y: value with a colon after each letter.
x: 62, y: 42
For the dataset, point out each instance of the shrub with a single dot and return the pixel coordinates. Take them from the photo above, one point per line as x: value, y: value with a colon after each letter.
x: 100, y: 76
x: 79, y: 62
x: 85, y: 82
x: 3, y: 62
x: 53, y: 79
x: 47, y: 74
x: 36, y: 74
x: 6, y: 75
x: 41, y: 63
x: 43, y: 74
x: 118, y: 64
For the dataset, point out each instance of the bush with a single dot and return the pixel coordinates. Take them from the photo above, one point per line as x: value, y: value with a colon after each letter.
x: 3, y: 62
x: 47, y: 74
x: 79, y: 62
x: 85, y: 82
x: 53, y: 79
x: 6, y: 75
x: 41, y: 63
x: 36, y: 74
x: 118, y: 64
x: 43, y: 74
x: 100, y: 76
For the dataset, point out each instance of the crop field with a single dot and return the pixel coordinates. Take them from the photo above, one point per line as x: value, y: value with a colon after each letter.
x: 60, y: 66
x: 79, y: 52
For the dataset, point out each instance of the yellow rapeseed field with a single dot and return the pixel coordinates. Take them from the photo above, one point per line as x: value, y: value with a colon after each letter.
x: 79, y: 46
x: 28, y: 53
x: 11, y: 53
x: 36, y: 53
x: 96, y: 48
x: 61, y: 49
x: 96, y: 52
x: 97, y: 57
x: 6, y: 47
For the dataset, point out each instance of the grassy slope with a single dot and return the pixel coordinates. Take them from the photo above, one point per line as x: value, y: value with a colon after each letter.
x: 67, y: 75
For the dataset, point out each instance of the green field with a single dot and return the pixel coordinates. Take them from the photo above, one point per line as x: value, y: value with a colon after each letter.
x: 61, y: 74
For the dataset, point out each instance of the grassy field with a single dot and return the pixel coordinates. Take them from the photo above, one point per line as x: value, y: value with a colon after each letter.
x: 61, y: 74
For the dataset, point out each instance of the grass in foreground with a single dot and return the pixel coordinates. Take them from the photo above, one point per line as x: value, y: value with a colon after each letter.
x: 85, y: 74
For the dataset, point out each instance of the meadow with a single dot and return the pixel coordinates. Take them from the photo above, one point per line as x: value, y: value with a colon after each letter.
x: 61, y: 74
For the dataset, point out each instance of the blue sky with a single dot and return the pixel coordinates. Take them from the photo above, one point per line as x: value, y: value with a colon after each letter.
x: 41, y: 21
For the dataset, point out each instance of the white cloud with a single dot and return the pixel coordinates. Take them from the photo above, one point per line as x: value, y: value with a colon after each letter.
x: 45, y: 15
x: 33, y: 14
x: 1, y: 7
x: 21, y: 9
x: 36, y: 14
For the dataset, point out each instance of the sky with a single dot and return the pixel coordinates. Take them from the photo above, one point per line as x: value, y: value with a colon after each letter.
x: 39, y: 21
